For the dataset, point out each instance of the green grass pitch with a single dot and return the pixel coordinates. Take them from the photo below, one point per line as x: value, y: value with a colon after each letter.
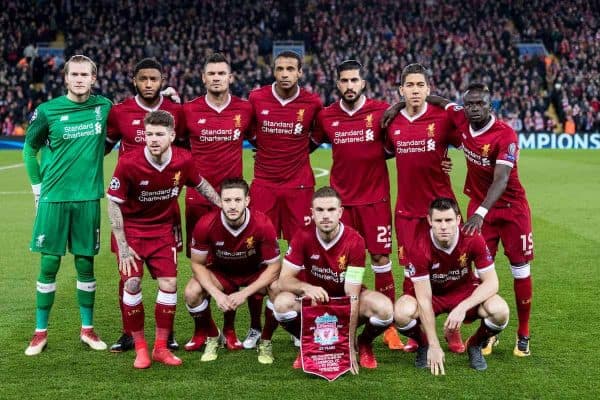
x: 564, y: 191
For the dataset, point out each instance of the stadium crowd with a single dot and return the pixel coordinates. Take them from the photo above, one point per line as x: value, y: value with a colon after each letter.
x: 460, y: 41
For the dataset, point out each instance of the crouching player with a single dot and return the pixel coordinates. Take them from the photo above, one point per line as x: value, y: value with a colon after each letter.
x: 444, y: 282
x: 331, y: 257
x: 145, y: 184
x: 235, y: 255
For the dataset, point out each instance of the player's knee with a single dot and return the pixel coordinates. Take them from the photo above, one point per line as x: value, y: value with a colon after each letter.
x: 497, y: 310
x: 520, y: 270
x: 133, y: 285
x: 193, y: 293
x: 49, y: 268
x: 379, y: 259
x: 85, y: 268
x: 167, y: 284
x: 405, y: 310
x: 284, y: 303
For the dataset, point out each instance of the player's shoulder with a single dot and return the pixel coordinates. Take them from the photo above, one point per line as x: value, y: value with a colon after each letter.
x: 194, y: 104
x: 238, y: 103
x: 126, y: 104
x: 182, y: 155
x: 260, y: 93
x: 503, y: 128
x: 351, y: 234
x: 471, y: 242
x: 376, y: 105
x: 331, y: 110
x: 132, y: 158
x: 97, y: 99
x: 310, y: 97
x: 209, y: 220
x: 171, y: 106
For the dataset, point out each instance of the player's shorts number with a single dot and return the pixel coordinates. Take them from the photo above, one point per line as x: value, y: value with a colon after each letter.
x: 527, y: 241
x: 384, y: 234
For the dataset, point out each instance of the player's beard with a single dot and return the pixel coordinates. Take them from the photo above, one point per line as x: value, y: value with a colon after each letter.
x: 234, y: 223
x: 351, y: 102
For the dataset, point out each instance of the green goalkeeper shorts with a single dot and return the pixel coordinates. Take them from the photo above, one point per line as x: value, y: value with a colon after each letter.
x: 74, y: 223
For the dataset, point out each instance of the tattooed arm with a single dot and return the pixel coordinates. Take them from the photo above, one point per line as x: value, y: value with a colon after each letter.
x: 206, y: 190
x: 126, y: 255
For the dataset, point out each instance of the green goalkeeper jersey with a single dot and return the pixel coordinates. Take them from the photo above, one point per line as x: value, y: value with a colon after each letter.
x: 71, y: 139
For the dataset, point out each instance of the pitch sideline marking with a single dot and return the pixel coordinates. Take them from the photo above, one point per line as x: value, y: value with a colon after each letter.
x: 320, y: 172
x: 11, y: 166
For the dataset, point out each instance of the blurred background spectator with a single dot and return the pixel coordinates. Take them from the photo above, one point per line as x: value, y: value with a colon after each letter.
x: 460, y: 41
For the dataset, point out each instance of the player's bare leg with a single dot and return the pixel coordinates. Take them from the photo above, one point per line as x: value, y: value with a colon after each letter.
x: 405, y: 317
x: 377, y: 312
x: 384, y: 283
x: 494, y: 313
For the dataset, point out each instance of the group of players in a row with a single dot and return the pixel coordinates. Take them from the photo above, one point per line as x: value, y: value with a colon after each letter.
x: 232, y: 242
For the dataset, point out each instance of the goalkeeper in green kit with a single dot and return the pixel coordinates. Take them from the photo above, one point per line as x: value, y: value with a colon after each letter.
x: 69, y: 132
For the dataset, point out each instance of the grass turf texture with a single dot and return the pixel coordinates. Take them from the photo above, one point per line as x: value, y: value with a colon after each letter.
x: 563, y: 189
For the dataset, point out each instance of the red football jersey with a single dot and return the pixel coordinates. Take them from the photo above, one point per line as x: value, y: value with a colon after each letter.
x: 359, y: 172
x: 282, y: 134
x: 236, y: 252
x: 147, y: 191
x: 216, y: 137
x: 325, y: 264
x: 126, y: 122
x: 449, y: 270
x: 420, y: 143
x: 495, y: 143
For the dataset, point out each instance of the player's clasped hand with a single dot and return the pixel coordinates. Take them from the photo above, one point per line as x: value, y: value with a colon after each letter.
x: 316, y: 293
x: 127, y: 257
x: 435, y: 360
x: 473, y: 225
x: 224, y: 302
x: 236, y: 299
x: 447, y: 165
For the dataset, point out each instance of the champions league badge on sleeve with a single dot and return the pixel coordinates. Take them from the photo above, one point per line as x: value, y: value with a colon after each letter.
x: 325, y: 343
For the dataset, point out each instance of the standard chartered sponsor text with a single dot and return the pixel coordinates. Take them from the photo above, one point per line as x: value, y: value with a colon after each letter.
x: 80, y: 130
x: 277, y: 127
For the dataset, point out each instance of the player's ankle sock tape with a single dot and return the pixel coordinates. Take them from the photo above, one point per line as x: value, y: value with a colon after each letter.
x: 270, y: 306
x: 199, y: 308
x: 132, y: 299
x: 285, y: 316
x: 521, y: 271
x: 380, y: 269
x: 408, y: 326
x: 380, y: 322
x: 166, y: 298
x: 49, y: 265
x: 492, y: 326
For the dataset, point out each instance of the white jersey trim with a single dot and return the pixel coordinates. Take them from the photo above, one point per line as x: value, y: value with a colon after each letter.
x: 486, y: 269
x: 484, y: 129
x: 199, y: 252
x: 272, y: 260
x: 416, y: 116
x: 158, y: 167
x: 149, y: 109
x: 333, y: 241
x: 236, y: 232
x: 420, y: 278
x: 361, y: 102
x: 115, y: 199
x: 292, y: 265
x: 450, y: 249
x: 281, y: 101
x: 218, y: 109
x: 450, y: 105
x: 504, y: 162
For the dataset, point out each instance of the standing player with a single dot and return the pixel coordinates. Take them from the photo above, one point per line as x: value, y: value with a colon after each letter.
x: 440, y: 267
x: 359, y: 173
x: 125, y: 124
x: 217, y: 124
x: 70, y: 132
x: 231, y: 249
x: 419, y: 137
x: 283, y: 180
x: 498, y: 206
x: 144, y: 186
x: 331, y: 256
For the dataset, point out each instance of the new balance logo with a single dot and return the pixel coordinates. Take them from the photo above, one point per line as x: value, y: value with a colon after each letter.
x: 144, y: 183
x: 136, y: 122
x: 64, y: 118
x: 397, y: 132
x: 315, y: 257
x: 335, y: 123
x: 202, y: 121
x: 265, y: 112
x: 220, y: 244
x: 435, y: 266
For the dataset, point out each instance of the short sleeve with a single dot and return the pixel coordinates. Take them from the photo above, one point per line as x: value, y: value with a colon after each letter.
x: 113, y: 133
x: 119, y: 184
x: 419, y: 261
x: 200, y: 236
x: 269, y: 247
x: 318, y: 135
x: 508, y: 148
x: 481, y: 254
x: 294, y: 258
x: 358, y: 253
